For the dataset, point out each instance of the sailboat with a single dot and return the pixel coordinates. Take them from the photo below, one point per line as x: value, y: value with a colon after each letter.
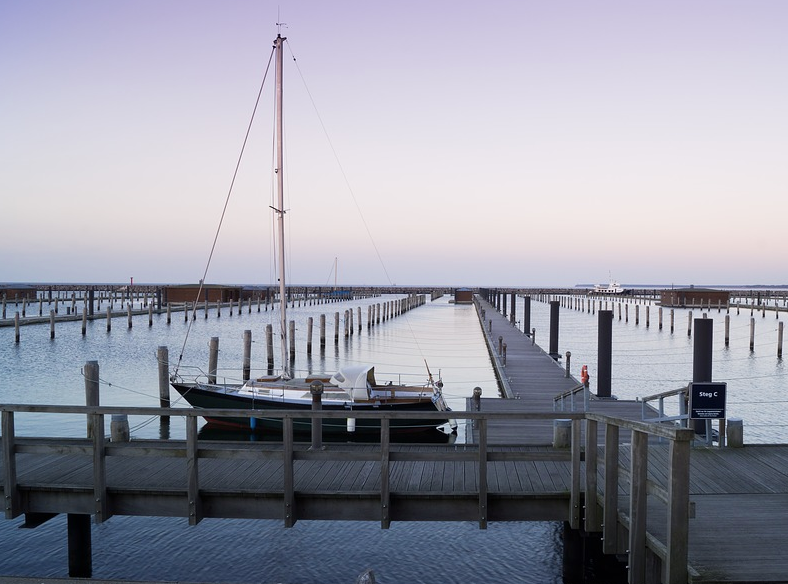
x: 351, y: 389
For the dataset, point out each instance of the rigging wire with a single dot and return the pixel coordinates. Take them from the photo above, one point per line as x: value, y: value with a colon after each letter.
x: 224, y: 209
x: 347, y: 182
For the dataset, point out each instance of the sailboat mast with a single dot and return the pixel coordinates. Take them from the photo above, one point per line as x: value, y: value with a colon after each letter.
x: 280, y: 190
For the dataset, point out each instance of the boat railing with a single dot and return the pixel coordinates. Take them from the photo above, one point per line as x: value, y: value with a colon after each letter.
x: 569, y: 401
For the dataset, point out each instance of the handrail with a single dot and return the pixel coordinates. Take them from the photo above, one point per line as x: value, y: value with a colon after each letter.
x: 683, y: 415
x: 570, y: 393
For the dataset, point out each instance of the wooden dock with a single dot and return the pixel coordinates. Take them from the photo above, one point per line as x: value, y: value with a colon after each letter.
x: 677, y: 513
x: 738, y: 496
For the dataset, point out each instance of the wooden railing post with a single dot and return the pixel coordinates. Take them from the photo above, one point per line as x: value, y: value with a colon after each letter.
x: 610, y: 510
x: 9, y: 466
x: 385, y: 499
x: 102, y: 512
x: 483, y: 473
x: 638, y: 476
x: 288, y: 478
x: 574, y: 496
x: 192, y: 475
x: 677, y: 541
x: 592, y: 519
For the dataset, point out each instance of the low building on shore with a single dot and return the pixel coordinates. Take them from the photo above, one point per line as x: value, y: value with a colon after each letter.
x: 17, y: 292
x: 209, y: 293
x: 693, y: 297
x: 463, y: 296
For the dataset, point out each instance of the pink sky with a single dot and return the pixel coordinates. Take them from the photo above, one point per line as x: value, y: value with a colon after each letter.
x: 503, y: 144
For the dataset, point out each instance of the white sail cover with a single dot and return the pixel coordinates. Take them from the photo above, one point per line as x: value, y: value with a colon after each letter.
x: 357, y: 380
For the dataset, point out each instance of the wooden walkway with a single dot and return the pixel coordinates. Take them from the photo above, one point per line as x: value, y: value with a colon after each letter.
x: 533, y: 379
x: 738, y: 531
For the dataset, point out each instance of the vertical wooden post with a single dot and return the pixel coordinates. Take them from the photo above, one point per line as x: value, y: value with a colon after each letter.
x: 16, y: 327
x: 322, y: 332
x: 101, y: 508
x: 192, y: 475
x: 291, y: 340
x: 51, y: 324
x: 316, y: 389
x: 780, y: 340
x: 677, y: 540
x: 247, y: 358
x: 213, y: 359
x: 482, y: 473
x: 336, y: 328
x: 637, y: 507
x: 752, y: 334
x: 163, y: 359
x: 129, y: 311
x: 288, y: 478
x: 574, y: 495
x: 269, y: 346
x: 309, y: 324
x: 84, y: 322
x: 91, y: 373
x: 593, y: 521
x: 610, y: 510
x: 385, y: 475
x: 10, y: 491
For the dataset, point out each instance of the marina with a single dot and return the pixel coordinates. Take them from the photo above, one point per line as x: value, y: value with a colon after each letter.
x: 429, y: 471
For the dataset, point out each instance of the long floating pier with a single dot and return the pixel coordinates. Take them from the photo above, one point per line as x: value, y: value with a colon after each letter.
x: 679, y: 513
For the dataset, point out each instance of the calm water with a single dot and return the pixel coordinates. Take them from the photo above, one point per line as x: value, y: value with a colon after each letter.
x: 645, y: 361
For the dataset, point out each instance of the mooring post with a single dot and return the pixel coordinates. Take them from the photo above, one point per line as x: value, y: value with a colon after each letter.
x: 554, y: 312
x: 213, y: 359
x: 247, y: 362
x: 604, y: 353
x: 316, y: 389
x: 91, y: 373
x: 163, y: 359
x: 269, y: 346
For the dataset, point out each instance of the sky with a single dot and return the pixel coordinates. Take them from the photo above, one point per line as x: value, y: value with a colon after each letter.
x: 505, y: 143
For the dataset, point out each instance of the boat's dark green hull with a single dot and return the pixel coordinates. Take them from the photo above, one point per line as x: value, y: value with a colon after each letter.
x: 209, y: 399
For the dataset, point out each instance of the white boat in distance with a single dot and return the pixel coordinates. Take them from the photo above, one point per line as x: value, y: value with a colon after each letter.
x: 611, y: 287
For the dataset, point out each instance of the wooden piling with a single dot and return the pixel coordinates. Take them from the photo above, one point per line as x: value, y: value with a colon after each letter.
x: 213, y: 359
x: 247, y: 362
x: 163, y: 359
x: 309, y: 324
x: 91, y: 374
x: 269, y: 345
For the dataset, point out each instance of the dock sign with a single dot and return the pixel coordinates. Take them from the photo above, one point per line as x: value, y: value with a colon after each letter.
x: 707, y: 400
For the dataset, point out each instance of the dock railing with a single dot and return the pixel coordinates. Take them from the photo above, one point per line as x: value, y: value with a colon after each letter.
x: 600, y: 513
x: 648, y: 408
x: 568, y: 400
